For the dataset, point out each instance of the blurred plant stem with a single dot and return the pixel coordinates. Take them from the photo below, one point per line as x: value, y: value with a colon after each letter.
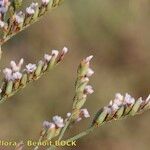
x: 65, y: 128
x: 82, y: 134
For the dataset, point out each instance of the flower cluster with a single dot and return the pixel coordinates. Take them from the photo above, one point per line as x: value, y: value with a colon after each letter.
x: 45, y: 2
x: 121, y: 100
x: 32, y: 8
x: 17, y: 21
x: 13, y: 73
x: 121, y: 107
x: 83, y: 89
x: 30, y: 68
x: 83, y: 113
x: 57, y: 122
x: 4, y: 4
x: 53, y: 128
x: 19, y: 18
x: 15, y: 77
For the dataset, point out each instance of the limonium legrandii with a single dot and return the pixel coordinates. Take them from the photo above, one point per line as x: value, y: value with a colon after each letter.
x: 18, y: 75
x: 16, y: 78
x: 14, y: 20
x: 121, y: 107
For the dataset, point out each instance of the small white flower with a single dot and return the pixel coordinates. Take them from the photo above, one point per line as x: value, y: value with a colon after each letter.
x: 58, y: 121
x: 3, y: 9
x: 30, y: 68
x: 48, y: 125
x: 88, y: 59
x: 79, y: 119
x: 65, y: 50
x: 16, y: 76
x: 32, y: 8
x: 90, y: 72
x: 147, y: 99
x: 115, y: 107
x: 85, y: 113
x: 55, y: 53
x: 88, y: 89
x: 118, y: 99
x: 47, y: 57
x: 108, y: 109
x: 19, y: 17
x: 2, y: 24
x: 0, y: 90
x: 33, y: 5
x: 111, y: 103
x: 51, y: 125
x: 128, y: 99
x: 119, y: 96
x: 16, y: 67
x: 45, y: 1
x: 86, y: 79
x: 68, y: 114
x: 8, y: 74
x: 2, y: 3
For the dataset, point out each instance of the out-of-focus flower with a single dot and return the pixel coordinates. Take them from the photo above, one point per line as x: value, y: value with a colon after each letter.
x: 85, y: 113
x: 68, y: 114
x: 128, y: 99
x: 55, y: 53
x: 8, y: 74
x: 118, y: 99
x: 45, y: 1
x: 88, y: 59
x: 58, y: 121
x: 88, y: 89
x: 16, y: 76
x: 30, y: 68
x: 31, y: 9
x: 48, y: 125
x: 16, y: 67
x: 4, y: 4
x: 90, y: 72
x: 19, y: 17
x: 47, y: 57
x: 65, y: 50
x: 2, y: 23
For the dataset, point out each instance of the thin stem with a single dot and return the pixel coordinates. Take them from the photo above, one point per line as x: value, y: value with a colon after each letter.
x: 11, y: 35
x: 82, y: 134
x: 76, y: 137
x: 25, y: 26
x: 40, y: 139
x: 64, y: 128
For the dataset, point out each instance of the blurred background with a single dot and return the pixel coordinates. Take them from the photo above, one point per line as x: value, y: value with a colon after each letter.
x: 117, y: 34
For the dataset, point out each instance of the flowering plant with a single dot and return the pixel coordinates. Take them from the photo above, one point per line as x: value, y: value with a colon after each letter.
x: 12, y: 21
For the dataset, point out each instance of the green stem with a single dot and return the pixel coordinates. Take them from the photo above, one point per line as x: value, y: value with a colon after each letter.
x: 13, y: 34
x: 64, y: 128
x: 76, y: 137
x: 82, y: 134
x: 40, y: 139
